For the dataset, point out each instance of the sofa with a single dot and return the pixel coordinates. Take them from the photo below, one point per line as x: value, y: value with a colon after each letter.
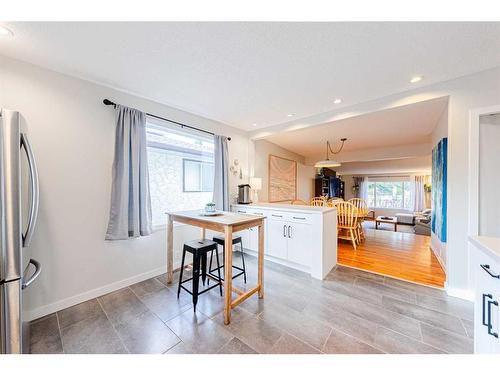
x: 423, y: 223
x: 406, y: 218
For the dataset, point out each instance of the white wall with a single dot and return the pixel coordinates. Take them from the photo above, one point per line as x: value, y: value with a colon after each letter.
x: 305, y: 173
x: 489, y: 178
x: 72, y: 135
x: 440, y: 132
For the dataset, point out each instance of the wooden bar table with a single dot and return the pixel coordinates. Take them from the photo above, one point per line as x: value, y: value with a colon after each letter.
x: 227, y: 223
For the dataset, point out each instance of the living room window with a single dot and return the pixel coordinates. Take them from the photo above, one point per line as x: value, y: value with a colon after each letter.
x: 181, y: 168
x: 389, y: 194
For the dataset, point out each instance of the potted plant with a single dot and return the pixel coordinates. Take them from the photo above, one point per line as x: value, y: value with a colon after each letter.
x: 210, y: 207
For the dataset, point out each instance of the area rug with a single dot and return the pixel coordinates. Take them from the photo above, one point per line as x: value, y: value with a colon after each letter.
x: 369, y: 224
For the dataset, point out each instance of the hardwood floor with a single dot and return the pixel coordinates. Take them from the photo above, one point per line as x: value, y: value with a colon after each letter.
x: 404, y: 256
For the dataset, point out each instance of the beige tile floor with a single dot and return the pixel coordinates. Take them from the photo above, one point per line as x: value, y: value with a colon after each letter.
x: 350, y: 312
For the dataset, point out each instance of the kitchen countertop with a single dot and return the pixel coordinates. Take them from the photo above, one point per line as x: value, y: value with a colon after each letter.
x: 488, y: 245
x: 286, y: 207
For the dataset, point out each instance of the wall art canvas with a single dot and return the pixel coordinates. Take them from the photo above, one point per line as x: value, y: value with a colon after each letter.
x: 439, y: 188
x: 282, y: 179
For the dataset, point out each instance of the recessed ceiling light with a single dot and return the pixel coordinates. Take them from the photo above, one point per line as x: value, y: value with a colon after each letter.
x: 337, y: 101
x: 290, y: 115
x: 254, y: 124
x: 5, y: 32
x: 416, y: 79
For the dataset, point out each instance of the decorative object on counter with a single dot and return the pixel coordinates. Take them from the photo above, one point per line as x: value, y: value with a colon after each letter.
x: 282, y: 179
x: 210, y: 207
x: 439, y: 192
x: 256, y: 185
x: 327, y: 162
x: 210, y: 210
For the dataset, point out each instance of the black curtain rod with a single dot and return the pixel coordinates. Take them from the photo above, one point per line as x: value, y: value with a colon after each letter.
x: 109, y: 102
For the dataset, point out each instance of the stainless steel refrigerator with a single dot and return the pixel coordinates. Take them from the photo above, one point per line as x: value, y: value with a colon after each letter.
x: 18, y: 215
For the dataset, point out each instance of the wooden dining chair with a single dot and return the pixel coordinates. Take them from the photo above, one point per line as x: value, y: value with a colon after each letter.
x: 299, y: 202
x: 347, y: 222
x: 331, y: 202
x: 363, y: 210
x: 318, y: 201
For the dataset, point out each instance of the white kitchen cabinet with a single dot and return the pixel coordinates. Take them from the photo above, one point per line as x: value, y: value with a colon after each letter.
x: 277, y: 238
x: 299, y: 243
x: 289, y: 240
x: 485, y: 270
x: 250, y: 236
x: 300, y: 237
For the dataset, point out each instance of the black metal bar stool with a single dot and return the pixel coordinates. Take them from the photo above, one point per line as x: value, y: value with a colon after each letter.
x: 199, y: 249
x: 219, y: 240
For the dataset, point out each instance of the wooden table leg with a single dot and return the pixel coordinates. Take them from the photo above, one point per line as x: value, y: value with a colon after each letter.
x: 170, y: 250
x: 228, y: 272
x: 261, y: 262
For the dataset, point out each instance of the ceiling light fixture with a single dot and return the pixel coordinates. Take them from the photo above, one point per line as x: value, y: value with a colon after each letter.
x: 254, y: 124
x: 327, y: 162
x: 337, y: 101
x: 5, y: 31
x: 289, y: 115
x: 416, y: 79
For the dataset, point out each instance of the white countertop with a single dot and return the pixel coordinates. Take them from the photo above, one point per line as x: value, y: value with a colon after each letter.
x: 489, y: 245
x: 286, y: 207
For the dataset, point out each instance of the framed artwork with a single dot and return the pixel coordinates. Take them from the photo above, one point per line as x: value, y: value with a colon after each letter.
x: 439, y: 189
x: 282, y: 179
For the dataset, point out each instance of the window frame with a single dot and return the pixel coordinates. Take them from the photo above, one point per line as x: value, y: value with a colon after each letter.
x: 153, y: 124
x: 200, y: 162
x: 402, y: 182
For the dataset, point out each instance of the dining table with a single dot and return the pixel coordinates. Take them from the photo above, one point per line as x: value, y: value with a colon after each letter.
x: 227, y: 223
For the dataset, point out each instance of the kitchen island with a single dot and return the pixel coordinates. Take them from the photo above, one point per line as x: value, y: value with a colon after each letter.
x: 300, y: 237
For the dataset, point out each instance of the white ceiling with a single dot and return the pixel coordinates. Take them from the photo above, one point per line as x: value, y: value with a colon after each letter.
x: 245, y: 73
x: 405, y: 125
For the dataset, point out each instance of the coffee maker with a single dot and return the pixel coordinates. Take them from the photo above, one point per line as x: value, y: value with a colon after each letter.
x: 244, y: 194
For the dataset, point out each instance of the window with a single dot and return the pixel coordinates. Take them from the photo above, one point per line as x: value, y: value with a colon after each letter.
x: 389, y: 194
x: 181, y: 168
x: 198, y: 175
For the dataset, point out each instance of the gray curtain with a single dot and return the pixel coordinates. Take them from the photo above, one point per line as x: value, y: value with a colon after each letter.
x: 221, y: 182
x: 130, y: 213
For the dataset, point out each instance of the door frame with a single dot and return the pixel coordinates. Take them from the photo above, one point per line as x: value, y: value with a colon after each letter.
x: 474, y: 118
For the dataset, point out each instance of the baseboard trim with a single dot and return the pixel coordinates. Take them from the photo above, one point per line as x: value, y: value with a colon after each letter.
x: 94, y: 293
x: 465, y: 294
x: 438, y: 257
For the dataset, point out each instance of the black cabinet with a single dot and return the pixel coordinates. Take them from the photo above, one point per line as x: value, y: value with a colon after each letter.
x: 329, y: 185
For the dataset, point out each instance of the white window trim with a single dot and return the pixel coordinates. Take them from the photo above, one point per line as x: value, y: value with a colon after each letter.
x: 391, y: 208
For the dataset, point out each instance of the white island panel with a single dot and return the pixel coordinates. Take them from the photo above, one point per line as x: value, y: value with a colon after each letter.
x: 300, y: 237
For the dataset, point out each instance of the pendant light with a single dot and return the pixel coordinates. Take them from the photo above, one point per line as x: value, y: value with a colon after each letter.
x: 327, y: 163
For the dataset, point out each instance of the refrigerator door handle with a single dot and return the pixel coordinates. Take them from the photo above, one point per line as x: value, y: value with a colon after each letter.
x: 34, y: 191
x: 38, y: 269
